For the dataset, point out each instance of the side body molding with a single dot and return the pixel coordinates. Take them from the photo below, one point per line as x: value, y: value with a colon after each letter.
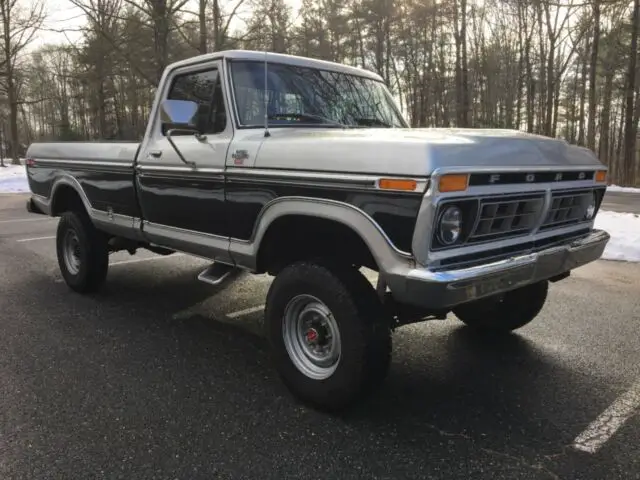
x: 113, y: 223
x: 387, y: 256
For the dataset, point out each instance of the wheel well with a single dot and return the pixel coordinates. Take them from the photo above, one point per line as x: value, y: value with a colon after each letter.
x: 297, y: 237
x: 66, y: 198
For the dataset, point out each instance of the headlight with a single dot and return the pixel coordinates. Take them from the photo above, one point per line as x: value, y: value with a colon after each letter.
x: 591, y: 209
x: 450, y: 226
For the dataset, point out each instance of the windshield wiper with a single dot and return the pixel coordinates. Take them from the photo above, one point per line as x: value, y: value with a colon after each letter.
x: 369, y: 122
x: 308, y: 116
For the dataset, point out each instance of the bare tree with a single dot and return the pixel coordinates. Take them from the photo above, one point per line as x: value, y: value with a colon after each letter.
x: 19, y: 27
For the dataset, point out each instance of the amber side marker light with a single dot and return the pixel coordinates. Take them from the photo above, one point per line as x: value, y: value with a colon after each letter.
x: 397, y: 184
x: 453, y: 183
x: 601, y: 175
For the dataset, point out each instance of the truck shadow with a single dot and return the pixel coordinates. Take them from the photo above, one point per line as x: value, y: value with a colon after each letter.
x: 502, y: 392
x: 446, y: 384
x: 169, y: 294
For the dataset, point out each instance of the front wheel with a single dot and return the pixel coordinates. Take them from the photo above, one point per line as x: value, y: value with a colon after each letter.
x: 330, y: 338
x: 83, y: 254
x: 507, y: 311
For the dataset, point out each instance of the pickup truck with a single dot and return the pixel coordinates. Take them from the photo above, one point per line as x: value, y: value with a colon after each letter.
x: 306, y: 170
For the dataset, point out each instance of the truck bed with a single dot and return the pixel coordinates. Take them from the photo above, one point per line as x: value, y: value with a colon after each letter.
x: 103, y: 169
x: 100, y: 151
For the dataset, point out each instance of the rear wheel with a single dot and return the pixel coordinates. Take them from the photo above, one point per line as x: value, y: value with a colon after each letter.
x: 83, y: 255
x: 505, y: 312
x: 330, y: 339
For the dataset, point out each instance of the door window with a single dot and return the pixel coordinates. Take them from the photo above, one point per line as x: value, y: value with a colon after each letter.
x: 205, y: 89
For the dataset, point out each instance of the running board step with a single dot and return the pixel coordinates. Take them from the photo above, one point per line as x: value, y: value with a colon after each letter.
x: 217, y: 273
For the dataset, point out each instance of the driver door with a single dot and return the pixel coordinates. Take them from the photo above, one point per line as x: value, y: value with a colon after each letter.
x: 182, y: 204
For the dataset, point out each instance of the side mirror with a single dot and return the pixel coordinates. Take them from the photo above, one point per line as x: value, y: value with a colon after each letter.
x: 178, y: 114
x: 177, y: 117
x: 178, y: 111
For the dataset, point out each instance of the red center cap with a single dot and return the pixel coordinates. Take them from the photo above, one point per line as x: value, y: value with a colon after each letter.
x: 312, y: 335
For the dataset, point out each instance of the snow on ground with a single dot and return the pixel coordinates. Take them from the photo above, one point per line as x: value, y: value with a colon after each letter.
x: 616, y: 188
x: 624, y: 229
x: 13, y: 179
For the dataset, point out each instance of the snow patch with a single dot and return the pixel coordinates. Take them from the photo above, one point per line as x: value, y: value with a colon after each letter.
x: 13, y: 179
x: 616, y: 188
x: 624, y: 229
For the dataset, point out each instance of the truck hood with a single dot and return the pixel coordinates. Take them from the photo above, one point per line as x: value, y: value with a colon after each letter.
x: 415, y: 151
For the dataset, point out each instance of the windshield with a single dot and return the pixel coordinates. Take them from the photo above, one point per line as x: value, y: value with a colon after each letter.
x: 308, y: 96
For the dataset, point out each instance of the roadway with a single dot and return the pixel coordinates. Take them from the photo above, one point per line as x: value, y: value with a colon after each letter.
x: 161, y: 376
x: 622, y: 202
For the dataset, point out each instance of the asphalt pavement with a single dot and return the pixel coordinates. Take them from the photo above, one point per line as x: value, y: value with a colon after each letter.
x: 160, y: 376
x: 622, y: 202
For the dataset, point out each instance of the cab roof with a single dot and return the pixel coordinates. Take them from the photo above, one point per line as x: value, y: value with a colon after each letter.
x: 253, y: 55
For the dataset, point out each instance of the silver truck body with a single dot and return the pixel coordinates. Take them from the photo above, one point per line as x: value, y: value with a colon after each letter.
x: 446, y: 216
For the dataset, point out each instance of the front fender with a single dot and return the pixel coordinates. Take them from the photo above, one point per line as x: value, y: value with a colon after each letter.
x: 386, y: 255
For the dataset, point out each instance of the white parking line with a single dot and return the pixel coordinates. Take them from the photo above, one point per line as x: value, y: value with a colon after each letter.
x: 20, y: 220
x: 148, y: 259
x: 22, y: 240
x: 606, y: 425
x: 246, y: 311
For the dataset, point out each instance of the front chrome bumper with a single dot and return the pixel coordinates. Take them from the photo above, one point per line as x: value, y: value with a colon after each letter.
x: 446, y: 289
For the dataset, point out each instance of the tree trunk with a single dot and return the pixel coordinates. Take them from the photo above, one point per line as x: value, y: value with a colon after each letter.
x: 160, y: 36
x: 591, y: 134
x: 530, y: 82
x: 12, y: 97
x: 13, y: 118
x: 2, y: 143
x: 541, y: 121
x: 219, y: 37
x: 456, y: 22
x: 556, y: 108
x: 583, y: 97
x: 464, y: 79
x: 551, y: 76
x: 629, y: 132
x: 605, y: 122
x: 520, y: 68
x: 202, y: 20
x: 619, y: 163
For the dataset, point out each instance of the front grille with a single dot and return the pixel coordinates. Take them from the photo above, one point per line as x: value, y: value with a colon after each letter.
x: 567, y: 208
x: 504, y: 217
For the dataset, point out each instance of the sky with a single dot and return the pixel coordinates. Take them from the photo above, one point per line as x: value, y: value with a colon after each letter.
x: 64, y: 19
x: 60, y: 15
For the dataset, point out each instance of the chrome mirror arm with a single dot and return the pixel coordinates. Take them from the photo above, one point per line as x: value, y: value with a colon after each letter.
x: 175, y: 147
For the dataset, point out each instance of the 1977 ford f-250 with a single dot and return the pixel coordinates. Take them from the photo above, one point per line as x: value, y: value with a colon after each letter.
x: 330, y: 180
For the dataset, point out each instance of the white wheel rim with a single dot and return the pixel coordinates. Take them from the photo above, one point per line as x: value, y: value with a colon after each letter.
x: 311, y: 337
x: 71, y: 252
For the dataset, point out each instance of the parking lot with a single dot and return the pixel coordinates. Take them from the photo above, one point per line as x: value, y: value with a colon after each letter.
x: 161, y: 376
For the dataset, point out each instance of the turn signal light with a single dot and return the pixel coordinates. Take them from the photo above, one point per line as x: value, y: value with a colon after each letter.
x: 453, y: 183
x: 397, y: 184
x: 601, y: 175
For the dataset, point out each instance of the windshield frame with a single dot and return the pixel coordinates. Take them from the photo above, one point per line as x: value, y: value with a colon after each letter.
x: 240, y: 126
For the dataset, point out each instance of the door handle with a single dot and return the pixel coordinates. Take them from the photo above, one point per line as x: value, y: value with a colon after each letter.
x: 155, y: 153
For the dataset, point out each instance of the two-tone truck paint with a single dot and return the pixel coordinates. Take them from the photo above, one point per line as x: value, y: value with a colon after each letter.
x: 306, y: 170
